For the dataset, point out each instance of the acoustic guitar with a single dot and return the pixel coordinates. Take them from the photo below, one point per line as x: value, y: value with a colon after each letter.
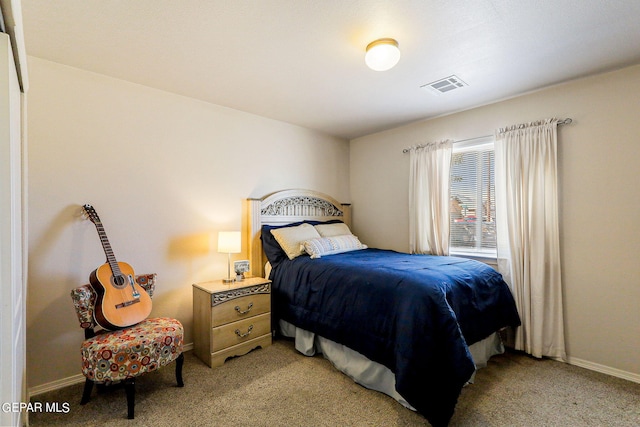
x: 121, y: 301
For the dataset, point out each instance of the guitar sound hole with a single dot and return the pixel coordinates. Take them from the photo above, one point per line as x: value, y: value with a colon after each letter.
x: 118, y: 280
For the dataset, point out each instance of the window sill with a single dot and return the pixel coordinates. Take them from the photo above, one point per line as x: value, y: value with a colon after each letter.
x: 490, y: 258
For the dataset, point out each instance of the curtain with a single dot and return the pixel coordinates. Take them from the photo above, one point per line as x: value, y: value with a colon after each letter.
x: 528, y: 233
x: 429, y: 198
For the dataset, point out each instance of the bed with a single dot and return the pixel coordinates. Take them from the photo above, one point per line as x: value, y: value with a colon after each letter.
x: 415, y: 327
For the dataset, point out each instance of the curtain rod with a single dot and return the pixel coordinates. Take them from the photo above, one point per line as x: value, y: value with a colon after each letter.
x: 560, y: 122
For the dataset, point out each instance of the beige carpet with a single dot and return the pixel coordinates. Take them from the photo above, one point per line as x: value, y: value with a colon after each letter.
x: 277, y: 386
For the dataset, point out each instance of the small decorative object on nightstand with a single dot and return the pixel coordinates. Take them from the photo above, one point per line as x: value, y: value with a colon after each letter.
x: 240, y: 267
x: 230, y: 319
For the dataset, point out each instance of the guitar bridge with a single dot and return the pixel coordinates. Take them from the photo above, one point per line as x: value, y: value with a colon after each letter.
x: 127, y: 303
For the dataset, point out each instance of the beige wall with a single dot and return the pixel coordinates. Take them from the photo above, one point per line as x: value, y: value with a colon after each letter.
x: 599, y: 156
x: 164, y: 173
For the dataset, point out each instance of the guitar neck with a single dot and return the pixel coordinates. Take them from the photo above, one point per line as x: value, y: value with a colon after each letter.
x: 106, y: 246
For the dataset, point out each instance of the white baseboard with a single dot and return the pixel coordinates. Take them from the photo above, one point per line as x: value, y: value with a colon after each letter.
x: 629, y: 376
x: 57, y: 384
x: 75, y: 379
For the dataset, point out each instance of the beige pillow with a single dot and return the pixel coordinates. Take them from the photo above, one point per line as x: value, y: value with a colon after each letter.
x: 290, y: 239
x: 331, y: 230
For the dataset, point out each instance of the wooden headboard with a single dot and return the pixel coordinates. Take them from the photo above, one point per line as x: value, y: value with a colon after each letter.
x: 285, y: 207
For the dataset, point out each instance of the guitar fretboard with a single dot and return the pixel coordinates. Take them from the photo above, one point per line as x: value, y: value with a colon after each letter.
x: 111, y: 259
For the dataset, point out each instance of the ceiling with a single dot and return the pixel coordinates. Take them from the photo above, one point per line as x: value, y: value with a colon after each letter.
x: 302, y: 61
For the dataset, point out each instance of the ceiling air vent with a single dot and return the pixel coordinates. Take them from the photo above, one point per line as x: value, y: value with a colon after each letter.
x: 445, y: 85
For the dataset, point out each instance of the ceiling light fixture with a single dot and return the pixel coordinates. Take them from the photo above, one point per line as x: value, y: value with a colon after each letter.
x: 382, y: 54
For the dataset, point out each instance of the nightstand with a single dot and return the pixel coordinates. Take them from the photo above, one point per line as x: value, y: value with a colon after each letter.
x: 230, y: 319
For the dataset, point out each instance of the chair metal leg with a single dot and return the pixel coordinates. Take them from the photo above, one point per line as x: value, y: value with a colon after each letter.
x: 130, y: 390
x: 86, y: 394
x: 179, y: 363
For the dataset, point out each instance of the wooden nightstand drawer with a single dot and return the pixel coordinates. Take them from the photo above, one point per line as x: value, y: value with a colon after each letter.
x: 230, y: 319
x: 239, y: 332
x: 240, y: 308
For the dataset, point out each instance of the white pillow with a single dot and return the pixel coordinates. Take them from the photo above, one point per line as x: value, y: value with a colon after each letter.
x: 290, y: 239
x: 335, y: 229
x: 332, y: 245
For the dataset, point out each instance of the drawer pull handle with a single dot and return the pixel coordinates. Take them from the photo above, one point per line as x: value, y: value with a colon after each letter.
x: 249, y: 307
x: 246, y: 334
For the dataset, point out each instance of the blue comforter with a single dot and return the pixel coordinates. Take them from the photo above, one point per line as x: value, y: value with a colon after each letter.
x: 415, y: 314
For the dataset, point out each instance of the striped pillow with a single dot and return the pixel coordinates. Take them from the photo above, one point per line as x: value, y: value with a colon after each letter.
x: 332, y: 245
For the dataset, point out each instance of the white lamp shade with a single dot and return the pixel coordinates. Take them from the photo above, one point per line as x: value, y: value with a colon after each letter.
x: 229, y: 242
x: 382, y: 54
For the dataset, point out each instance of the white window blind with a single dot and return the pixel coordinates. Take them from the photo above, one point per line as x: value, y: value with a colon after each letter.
x: 473, y: 207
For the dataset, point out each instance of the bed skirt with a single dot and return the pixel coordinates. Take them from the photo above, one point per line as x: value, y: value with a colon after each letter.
x: 370, y: 374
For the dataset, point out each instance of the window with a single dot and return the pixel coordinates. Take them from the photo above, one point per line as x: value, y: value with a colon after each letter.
x: 472, y: 205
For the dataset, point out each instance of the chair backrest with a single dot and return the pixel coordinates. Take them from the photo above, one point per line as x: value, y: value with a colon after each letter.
x: 84, y: 299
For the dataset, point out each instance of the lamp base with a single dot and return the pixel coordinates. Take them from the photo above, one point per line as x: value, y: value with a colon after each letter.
x: 229, y: 279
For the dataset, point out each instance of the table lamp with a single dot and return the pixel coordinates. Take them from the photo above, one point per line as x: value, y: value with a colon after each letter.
x: 229, y: 242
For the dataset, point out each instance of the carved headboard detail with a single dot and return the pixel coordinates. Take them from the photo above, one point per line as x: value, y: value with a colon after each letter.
x: 301, y: 206
x: 285, y: 207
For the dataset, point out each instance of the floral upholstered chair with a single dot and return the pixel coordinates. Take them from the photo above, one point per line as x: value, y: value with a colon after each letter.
x: 124, y: 354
